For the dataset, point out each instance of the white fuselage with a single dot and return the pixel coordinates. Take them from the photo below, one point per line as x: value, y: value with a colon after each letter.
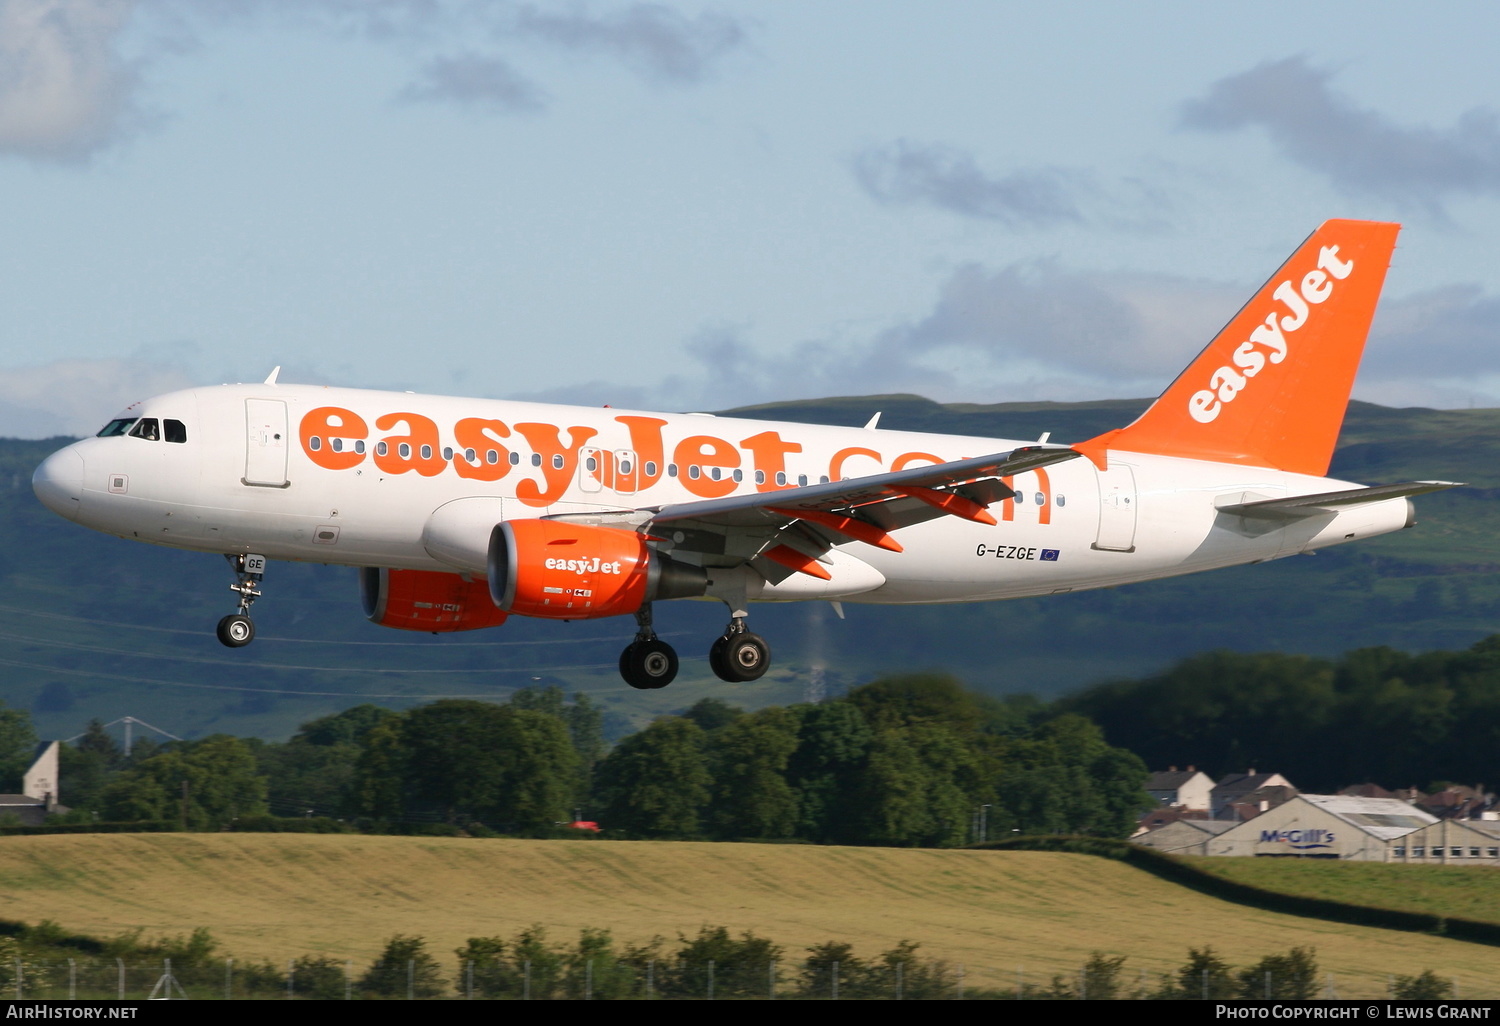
x: 269, y: 469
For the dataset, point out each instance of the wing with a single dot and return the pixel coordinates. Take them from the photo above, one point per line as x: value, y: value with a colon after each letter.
x: 789, y: 530
x: 1298, y: 507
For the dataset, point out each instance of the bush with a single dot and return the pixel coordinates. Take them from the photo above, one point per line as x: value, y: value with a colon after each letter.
x: 1292, y: 975
x: 322, y: 979
x: 290, y: 825
x: 1428, y: 986
x: 403, y: 968
x: 1204, y: 976
x: 740, y: 968
x: 531, y: 968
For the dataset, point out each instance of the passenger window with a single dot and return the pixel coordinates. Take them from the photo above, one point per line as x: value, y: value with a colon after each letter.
x: 176, y: 431
x: 147, y: 428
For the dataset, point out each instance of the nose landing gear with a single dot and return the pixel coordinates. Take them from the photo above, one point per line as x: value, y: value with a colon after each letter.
x: 237, y: 629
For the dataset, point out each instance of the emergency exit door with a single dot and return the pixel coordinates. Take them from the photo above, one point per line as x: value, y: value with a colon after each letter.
x: 1117, y: 502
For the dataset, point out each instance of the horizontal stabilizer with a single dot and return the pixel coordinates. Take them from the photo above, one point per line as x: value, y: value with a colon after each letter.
x: 1299, y: 506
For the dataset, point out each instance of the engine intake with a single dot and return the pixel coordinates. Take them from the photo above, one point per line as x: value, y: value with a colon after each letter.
x: 565, y: 571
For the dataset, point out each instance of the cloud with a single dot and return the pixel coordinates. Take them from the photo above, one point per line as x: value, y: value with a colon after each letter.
x: 1038, y: 331
x: 76, y: 397
x: 1358, y: 149
x: 65, y: 91
x: 660, y: 43
x: 1445, y: 334
x: 906, y: 173
x: 486, y: 83
x: 1029, y: 331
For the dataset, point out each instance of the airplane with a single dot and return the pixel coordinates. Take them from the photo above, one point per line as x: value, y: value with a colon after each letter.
x: 462, y: 512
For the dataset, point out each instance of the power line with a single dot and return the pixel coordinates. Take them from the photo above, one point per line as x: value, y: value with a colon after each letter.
x: 408, y: 696
x: 22, y: 611
x: 77, y: 646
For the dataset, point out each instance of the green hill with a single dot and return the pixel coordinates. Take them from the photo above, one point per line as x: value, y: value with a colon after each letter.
x: 95, y: 626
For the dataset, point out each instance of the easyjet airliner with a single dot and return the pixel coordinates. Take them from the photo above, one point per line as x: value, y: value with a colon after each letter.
x: 462, y: 512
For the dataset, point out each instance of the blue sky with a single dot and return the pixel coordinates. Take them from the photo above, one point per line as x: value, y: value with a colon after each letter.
x: 697, y: 206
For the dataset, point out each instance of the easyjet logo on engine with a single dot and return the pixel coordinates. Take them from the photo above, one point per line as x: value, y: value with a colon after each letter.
x: 1269, y: 340
x: 583, y: 566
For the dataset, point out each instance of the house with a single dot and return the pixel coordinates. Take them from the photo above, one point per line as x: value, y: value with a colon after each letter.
x: 38, y: 798
x: 1457, y: 802
x: 1185, y: 789
x: 1240, y: 793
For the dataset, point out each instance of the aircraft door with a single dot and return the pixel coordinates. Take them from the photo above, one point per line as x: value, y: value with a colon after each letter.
x: 627, y: 474
x: 1117, y: 502
x: 591, y: 469
x: 265, y: 443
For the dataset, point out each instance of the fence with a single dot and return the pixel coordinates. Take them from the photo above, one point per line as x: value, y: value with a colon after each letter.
x: 331, y: 979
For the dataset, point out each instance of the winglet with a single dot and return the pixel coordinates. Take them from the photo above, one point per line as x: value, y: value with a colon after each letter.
x: 271, y: 378
x: 1271, y: 389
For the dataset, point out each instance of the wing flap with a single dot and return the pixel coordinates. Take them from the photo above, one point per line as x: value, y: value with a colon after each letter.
x: 962, y: 477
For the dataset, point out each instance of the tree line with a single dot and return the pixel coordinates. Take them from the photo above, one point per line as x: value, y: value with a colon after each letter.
x: 905, y: 760
x: 911, y: 760
x: 1372, y: 715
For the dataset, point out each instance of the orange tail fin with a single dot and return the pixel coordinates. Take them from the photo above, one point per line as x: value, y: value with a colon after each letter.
x: 1271, y: 389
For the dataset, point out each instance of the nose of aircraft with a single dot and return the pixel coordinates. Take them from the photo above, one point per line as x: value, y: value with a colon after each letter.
x: 58, y: 482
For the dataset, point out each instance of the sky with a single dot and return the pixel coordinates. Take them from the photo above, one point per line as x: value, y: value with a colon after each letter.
x: 690, y: 206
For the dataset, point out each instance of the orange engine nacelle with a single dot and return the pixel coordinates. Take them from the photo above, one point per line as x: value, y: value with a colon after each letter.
x: 426, y: 600
x: 578, y: 572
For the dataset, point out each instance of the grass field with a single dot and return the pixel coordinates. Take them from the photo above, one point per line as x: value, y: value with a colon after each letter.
x: 278, y: 896
x: 1465, y: 892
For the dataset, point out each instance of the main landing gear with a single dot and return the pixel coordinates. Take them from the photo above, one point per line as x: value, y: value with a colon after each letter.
x: 237, y: 629
x: 649, y: 663
x: 739, y: 655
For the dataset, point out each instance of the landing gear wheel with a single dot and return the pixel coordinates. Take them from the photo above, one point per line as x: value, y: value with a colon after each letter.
x: 716, y: 658
x: 648, y: 665
x: 740, y: 657
x: 236, y: 631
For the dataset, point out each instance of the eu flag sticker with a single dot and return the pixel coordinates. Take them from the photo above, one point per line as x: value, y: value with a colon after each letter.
x: 1049, y: 555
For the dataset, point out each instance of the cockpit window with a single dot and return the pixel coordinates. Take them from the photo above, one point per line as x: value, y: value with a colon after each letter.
x: 116, y: 427
x: 147, y: 428
x: 176, y: 430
